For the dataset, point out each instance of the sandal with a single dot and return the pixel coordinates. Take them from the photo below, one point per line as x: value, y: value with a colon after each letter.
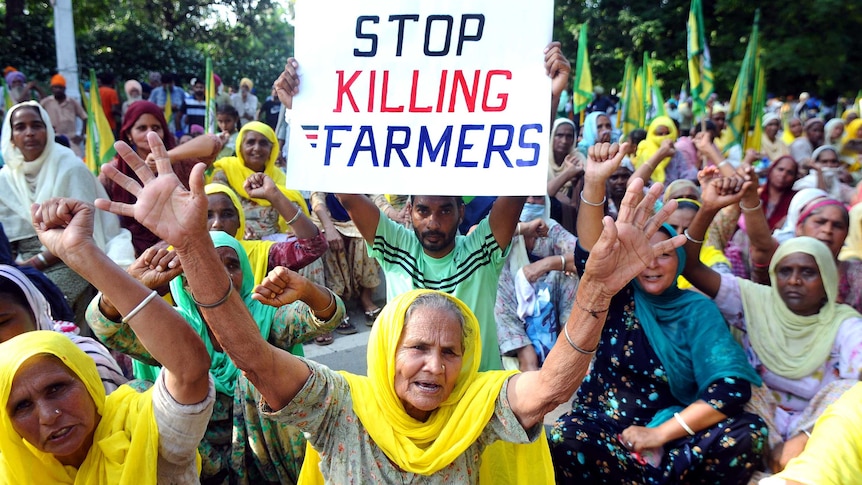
x: 345, y: 327
x: 370, y: 316
x: 324, y: 339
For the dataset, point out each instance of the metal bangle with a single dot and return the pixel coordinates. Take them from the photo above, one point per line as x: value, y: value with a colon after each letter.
x: 563, y: 260
x: 687, y: 236
x: 295, y: 216
x: 42, y: 259
x: 330, y: 305
x: 221, y: 301
x: 592, y: 204
x: 578, y: 349
x: 140, y: 306
x: 684, y: 425
x: 751, y: 209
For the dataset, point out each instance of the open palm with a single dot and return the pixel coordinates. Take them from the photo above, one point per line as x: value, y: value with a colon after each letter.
x: 623, y: 250
x: 164, y: 206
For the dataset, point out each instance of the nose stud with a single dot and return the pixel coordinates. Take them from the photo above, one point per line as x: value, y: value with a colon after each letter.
x: 56, y: 411
x: 443, y: 366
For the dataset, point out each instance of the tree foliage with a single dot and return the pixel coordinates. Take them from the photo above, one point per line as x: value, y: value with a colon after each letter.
x: 245, y: 38
x: 806, y: 45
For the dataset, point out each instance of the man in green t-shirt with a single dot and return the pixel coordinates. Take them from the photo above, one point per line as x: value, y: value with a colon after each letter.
x: 434, y: 256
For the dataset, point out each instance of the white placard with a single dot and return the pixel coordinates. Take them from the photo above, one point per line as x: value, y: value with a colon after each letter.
x: 421, y: 97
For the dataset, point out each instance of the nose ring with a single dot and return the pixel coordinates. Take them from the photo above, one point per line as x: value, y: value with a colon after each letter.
x: 443, y: 366
x: 56, y: 411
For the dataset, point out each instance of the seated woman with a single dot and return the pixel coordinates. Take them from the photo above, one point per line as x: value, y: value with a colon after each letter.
x: 565, y: 166
x: 142, y: 118
x: 286, y: 327
x: 225, y: 214
x: 802, y: 343
x: 597, y: 129
x: 850, y: 257
x: 833, y: 455
x: 424, y: 409
x: 36, y: 169
x: 127, y: 437
x: 350, y: 271
x: 664, y: 400
x: 829, y: 173
x: 257, y: 151
x: 658, y: 156
x: 25, y: 310
x: 534, y: 296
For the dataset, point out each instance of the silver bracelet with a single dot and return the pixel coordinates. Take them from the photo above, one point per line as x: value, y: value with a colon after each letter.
x: 591, y: 204
x: 563, y: 260
x: 684, y: 425
x: 751, y: 209
x: 223, y: 299
x: 687, y: 236
x: 140, y: 306
x: 580, y: 350
x: 295, y: 216
x: 41, y: 258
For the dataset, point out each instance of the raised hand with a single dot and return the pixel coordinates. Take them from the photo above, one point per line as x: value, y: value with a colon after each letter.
x: 259, y: 186
x: 156, y: 267
x: 602, y: 161
x: 573, y: 166
x: 65, y: 227
x: 623, y: 250
x: 534, y: 228
x: 281, y: 287
x: 666, y: 149
x: 718, y: 191
x: 557, y: 67
x: 164, y: 206
x: 287, y: 84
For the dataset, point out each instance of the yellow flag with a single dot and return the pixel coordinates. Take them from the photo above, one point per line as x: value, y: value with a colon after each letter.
x: 100, y: 139
x: 583, y: 78
x: 699, y: 62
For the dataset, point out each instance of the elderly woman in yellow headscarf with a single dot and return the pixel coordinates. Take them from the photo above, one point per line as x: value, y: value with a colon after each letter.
x: 257, y: 150
x: 57, y: 426
x: 424, y: 409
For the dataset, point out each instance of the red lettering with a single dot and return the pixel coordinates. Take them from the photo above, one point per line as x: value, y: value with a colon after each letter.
x: 503, y: 97
x: 442, y: 93
x: 469, y: 97
x: 383, y: 93
x: 413, y: 89
x: 372, y: 76
x: 344, y: 88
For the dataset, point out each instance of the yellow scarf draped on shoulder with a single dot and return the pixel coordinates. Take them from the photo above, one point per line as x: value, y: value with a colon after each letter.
x: 427, y: 447
x: 126, y: 439
x: 236, y: 172
x: 257, y: 251
x: 652, y: 143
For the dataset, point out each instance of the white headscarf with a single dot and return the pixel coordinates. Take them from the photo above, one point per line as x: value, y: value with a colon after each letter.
x: 56, y: 172
x: 797, y: 204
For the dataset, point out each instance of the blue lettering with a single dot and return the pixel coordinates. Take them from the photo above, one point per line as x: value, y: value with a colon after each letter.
x: 397, y: 147
x: 501, y: 149
x: 463, y: 145
x: 359, y: 147
x: 433, y: 152
x: 523, y: 144
x: 329, y: 143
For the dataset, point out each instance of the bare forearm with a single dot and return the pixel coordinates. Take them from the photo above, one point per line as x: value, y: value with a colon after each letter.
x: 302, y: 226
x: 698, y: 416
x: 202, y: 147
x: 364, y: 214
x: 590, y: 214
x: 504, y: 217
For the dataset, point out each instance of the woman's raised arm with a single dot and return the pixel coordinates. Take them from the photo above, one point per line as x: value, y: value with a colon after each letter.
x: 602, y: 160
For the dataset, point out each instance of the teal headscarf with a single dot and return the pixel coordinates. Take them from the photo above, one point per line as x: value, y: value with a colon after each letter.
x: 222, y: 368
x: 690, y: 338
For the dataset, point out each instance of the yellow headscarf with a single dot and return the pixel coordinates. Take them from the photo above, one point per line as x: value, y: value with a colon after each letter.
x: 236, y: 172
x: 125, y: 444
x: 790, y: 345
x: 415, y: 446
x: 848, y: 155
x: 652, y: 143
x: 257, y: 251
x: 853, y: 245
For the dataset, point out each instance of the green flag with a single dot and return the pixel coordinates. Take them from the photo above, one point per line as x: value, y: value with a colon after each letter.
x: 210, y: 119
x: 746, y: 103
x: 583, y: 79
x: 100, y: 139
x: 699, y: 62
x: 631, y: 102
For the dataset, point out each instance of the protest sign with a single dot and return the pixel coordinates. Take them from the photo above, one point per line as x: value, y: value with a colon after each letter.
x: 417, y: 97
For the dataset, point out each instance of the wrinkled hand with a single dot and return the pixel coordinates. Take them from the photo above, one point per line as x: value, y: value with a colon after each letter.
x: 151, y: 162
x: 281, y: 287
x: 557, y: 67
x: 718, y: 191
x: 65, y: 227
x: 156, y: 267
x: 534, y: 271
x: 287, y: 84
x: 623, y: 249
x: 603, y: 160
x: 333, y: 237
x: 573, y: 166
x: 535, y: 228
x: 259, y: 186
x: 164, y: 206
x: 639, y: 438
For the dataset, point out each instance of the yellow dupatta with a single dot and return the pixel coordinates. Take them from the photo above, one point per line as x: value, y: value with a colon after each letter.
x: 236, y: 172
x: 427, y: 447
x: 125, y: 443
x: 652, y: 143
x: 257, y: 251
x: 853, y: 244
